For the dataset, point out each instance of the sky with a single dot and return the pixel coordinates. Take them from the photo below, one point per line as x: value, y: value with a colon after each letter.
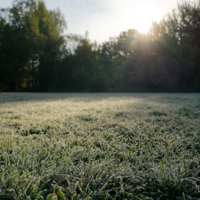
x: 107, y: 18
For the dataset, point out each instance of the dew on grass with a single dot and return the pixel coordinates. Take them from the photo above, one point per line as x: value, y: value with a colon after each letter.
x: 99, y: 146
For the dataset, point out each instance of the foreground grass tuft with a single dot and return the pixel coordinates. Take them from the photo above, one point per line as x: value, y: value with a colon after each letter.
x: 99, y: 146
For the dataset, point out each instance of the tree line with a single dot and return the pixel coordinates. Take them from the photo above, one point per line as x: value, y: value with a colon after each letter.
x: 35, y: 55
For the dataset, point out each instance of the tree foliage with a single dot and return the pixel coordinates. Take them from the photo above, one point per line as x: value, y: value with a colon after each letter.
x: 30, y: 35
x: 36, y: 56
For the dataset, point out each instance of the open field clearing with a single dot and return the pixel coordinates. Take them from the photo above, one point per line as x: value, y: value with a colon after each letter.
x: 99, y: 146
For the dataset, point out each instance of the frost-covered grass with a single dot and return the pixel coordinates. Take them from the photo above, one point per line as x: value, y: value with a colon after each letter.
x: 99, y: 146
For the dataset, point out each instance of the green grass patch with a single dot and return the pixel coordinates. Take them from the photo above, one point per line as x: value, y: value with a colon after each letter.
x: 100, y: 146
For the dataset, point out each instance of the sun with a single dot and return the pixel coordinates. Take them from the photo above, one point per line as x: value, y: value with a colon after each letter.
x: 142, y: 25
x: 141, y: 19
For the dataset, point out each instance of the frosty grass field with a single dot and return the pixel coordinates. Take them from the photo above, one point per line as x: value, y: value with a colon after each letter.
x: 99, y: 146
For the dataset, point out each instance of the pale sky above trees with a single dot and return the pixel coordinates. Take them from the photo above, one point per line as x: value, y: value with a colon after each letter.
x: 107, y: 18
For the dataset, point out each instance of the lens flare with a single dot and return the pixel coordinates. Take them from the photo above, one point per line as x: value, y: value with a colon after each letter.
x: 164, y: 72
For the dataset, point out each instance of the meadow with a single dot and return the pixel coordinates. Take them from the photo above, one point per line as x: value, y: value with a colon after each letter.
x: 99, y: 146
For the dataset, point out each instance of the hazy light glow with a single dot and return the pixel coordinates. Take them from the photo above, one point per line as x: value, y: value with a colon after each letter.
x: 137, y: 15
x: 142, y: 18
